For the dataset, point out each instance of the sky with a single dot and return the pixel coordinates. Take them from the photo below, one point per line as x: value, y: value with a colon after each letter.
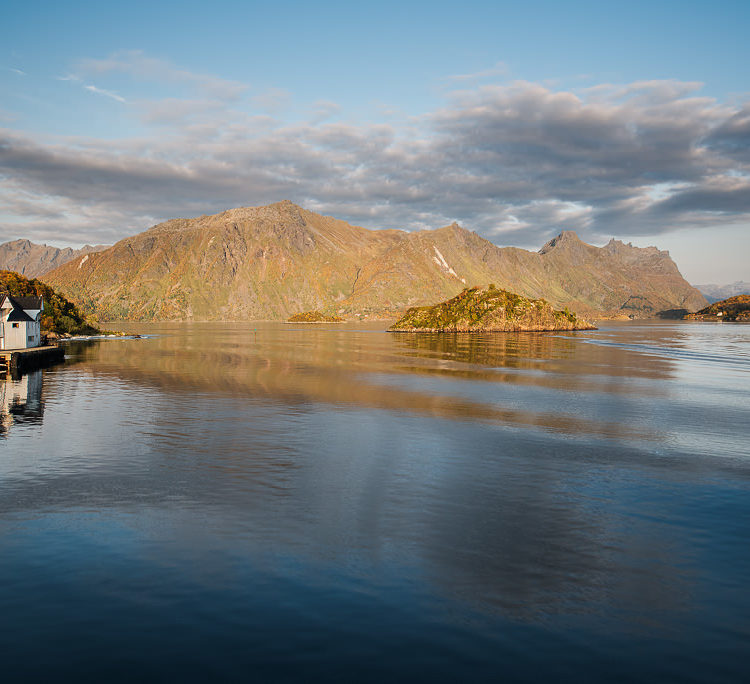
x: 516, y: 120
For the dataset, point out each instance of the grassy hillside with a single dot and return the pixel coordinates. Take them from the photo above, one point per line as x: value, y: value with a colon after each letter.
x: 59, y: 315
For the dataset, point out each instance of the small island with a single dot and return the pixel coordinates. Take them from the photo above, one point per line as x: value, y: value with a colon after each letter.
x: 314, y: 317
x: 732, y: 309
x: 489, y: 309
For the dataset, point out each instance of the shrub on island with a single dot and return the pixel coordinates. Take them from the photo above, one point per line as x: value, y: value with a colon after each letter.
x: 314, y: 317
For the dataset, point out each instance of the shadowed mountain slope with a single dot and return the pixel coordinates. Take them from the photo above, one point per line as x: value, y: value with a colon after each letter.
x: 274, y: 261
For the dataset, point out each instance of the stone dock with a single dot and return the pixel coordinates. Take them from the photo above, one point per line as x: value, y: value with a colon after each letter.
x: 23, y: 360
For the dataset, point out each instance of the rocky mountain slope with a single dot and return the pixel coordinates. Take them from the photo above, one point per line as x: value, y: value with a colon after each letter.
x: 274, y: 261
x: 32, y: 260
x: 488, y: 310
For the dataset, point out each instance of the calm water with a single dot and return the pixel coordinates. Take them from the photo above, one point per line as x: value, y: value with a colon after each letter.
x: 341, y: 504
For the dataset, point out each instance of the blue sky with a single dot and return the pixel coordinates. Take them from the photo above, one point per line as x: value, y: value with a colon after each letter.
x: 518, y: 120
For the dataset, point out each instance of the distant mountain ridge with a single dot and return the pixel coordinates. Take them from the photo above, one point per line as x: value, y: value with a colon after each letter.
x: 32, y: 260
x: 715, y: 293
x: 274, y: 261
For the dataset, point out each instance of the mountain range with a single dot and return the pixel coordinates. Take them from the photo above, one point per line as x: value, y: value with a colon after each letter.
x: 714, y: 293
x: 273, y: 261
x: 32, y: 260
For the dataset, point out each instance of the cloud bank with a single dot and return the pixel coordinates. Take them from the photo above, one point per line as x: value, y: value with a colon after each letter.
x: 517, y: 162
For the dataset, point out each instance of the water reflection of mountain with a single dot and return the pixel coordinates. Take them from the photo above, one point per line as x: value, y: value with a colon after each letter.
x: 551, y: 353
x: 20, y: 400
x: 230, y: 426
x: 372, y: 369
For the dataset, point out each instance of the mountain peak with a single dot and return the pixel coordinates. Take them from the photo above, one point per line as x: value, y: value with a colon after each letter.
x: 451, y: 228
x: 285, y: 208
x: 565, y: 238
x: 617, y: 244
x: 286, y: 205
x: 621, y: 248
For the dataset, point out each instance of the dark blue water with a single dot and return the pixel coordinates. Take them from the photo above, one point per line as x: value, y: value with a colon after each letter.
x: 340, y: 504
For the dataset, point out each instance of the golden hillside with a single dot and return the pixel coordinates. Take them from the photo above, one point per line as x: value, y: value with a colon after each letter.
x: 273, y: 261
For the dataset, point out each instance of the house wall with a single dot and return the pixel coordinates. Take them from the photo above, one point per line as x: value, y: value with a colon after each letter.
x: 33, y: 334
x: 18, y: 338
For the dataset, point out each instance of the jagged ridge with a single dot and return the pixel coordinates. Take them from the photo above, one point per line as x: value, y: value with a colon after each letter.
x: 32, y: 260
x: 270, y: 262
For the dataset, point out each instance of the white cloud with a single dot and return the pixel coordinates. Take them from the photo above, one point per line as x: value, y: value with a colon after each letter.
x: 498, y: 69
x: 322, y: 110
x: 272, y: 100
x: 106, y: 93
x: 74, y: 78
x: 142, y: 67
x: 517, y: 163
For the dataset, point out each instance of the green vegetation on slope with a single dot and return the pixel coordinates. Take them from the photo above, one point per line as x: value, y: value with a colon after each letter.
x: 732, y: 309
x: 490, y: 309
x: 314, y: 317
x: 59, y: 315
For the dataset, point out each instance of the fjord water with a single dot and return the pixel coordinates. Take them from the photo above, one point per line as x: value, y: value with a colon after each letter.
x: 269, y: 503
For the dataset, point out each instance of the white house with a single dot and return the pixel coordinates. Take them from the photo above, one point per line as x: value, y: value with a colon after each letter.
x: 19, y: 321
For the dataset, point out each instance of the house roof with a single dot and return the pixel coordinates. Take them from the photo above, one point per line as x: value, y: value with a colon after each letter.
x: 21, y: 305
x: 24, y: 302
x: 19, y: 315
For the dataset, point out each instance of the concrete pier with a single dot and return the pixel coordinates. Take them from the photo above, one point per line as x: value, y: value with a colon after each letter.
x: 23, y: 360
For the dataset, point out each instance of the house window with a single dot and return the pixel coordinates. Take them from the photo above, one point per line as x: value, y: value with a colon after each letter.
x: 15, y: 325
x: 31, y: 338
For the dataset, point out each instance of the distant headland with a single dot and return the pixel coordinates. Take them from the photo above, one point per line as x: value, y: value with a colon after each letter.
x: 731, y: 309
